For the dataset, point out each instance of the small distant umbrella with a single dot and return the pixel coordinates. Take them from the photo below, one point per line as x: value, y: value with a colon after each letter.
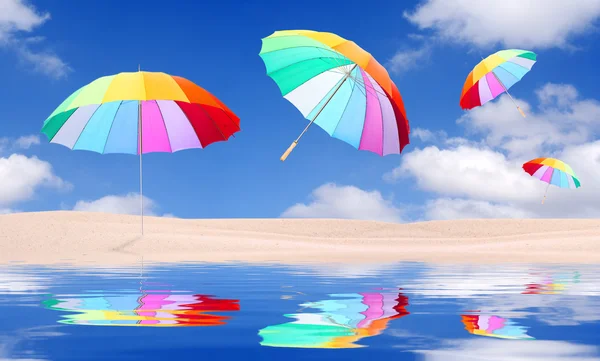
x: 494, y: 326
x: 552, y: 171
x: 140, y: 112
x: 343, y: 320
x: 494, y: 75
x: 339, y: 87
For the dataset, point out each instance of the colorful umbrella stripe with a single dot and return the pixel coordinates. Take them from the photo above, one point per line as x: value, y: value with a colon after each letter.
x: 338, y: 86
x: 552, y: 171
x: 176, y: 114
x: 343, y: 320
x: 494, y: 75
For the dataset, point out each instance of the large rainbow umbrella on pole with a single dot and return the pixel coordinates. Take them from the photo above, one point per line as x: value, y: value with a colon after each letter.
x: 140, y: 112
x: 343, y: 320
x: 494, y: 75
x: 552, y: 171
x: 339, y: 87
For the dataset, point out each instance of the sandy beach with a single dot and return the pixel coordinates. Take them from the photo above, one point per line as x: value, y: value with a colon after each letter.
x: 78, y: 237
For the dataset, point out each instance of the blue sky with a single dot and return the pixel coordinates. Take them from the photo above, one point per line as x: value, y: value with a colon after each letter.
x: 49, y: 49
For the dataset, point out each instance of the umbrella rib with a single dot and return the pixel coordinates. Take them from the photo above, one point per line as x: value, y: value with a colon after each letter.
x: 165, y: 124
x: 86, y: 123
x: 111, y: 126
x: 345, y: 107
x: 212, y: 120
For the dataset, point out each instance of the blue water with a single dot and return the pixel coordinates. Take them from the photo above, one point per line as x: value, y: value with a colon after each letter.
x: 405, y: 311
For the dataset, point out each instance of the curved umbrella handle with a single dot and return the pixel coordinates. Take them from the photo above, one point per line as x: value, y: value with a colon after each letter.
x: 288, y: 151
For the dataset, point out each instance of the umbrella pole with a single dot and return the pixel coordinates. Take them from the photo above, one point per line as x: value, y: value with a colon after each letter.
x: 141, y: 173
x: 548, y: 186
x: 295, y: 143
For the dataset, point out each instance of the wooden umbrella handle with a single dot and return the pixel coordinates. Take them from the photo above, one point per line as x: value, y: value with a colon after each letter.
x: 288, y: 151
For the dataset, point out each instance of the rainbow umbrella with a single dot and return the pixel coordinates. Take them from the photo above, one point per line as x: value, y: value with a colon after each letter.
x: 494, y: 75
x: 156, y: 309
x: 552, y: 171
x: 140, y: 112
x: 338, y: 86
x: 343, y: 320
x: 494, y: 326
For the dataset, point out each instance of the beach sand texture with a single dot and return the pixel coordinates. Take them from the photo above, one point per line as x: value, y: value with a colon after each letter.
x: 77, y: 238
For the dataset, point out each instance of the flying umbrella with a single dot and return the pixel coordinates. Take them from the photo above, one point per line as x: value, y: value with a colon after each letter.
x: 343, y: 320
x: 339, y: 87
x: 552, y: 171
x: 494, y: 326
x: 140, y: 112
x: 494, y: 75
x: 156, y: 309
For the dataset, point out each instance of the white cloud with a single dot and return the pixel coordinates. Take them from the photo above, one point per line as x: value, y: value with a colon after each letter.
x: 23, y: 142
x: 18, y: 17
x: 467, y: 171
x: 346, y: 202
x: 408, y: 59
x: 127, y: 204
x: 427, y: 136
x: 43, y: 62
x: 561, y: 119
x: 514, y: 350
x: 511, y: 23
x: 22, y: 176
x: 486, y: 179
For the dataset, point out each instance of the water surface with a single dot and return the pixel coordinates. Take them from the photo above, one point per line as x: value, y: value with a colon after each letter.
x: 407, y: 311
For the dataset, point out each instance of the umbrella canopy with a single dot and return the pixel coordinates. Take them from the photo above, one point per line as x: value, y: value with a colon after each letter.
x: 343, y: 320
x: 494, y: 326
x: 169, y: 112
x: 338, y: 86
x: 494, y: 75
x: 166, y: 309
x: 552, y: 171
x: 140, y: 112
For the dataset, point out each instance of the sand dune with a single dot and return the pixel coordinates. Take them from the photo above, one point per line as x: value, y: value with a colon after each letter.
x: 76, y: 238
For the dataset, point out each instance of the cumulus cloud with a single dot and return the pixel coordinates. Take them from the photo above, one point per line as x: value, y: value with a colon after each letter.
x: 511, y: 23
x: 119, y: 204
x: 485, y: 179
x: 18, y: 17
x: 467, y: 171
x: 346, y: 202
x: 562, y: 118
x: 22, y: 176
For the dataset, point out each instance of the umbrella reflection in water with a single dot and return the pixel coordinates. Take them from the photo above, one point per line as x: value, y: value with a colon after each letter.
x: 344, y: 319
x: 151, y: 308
